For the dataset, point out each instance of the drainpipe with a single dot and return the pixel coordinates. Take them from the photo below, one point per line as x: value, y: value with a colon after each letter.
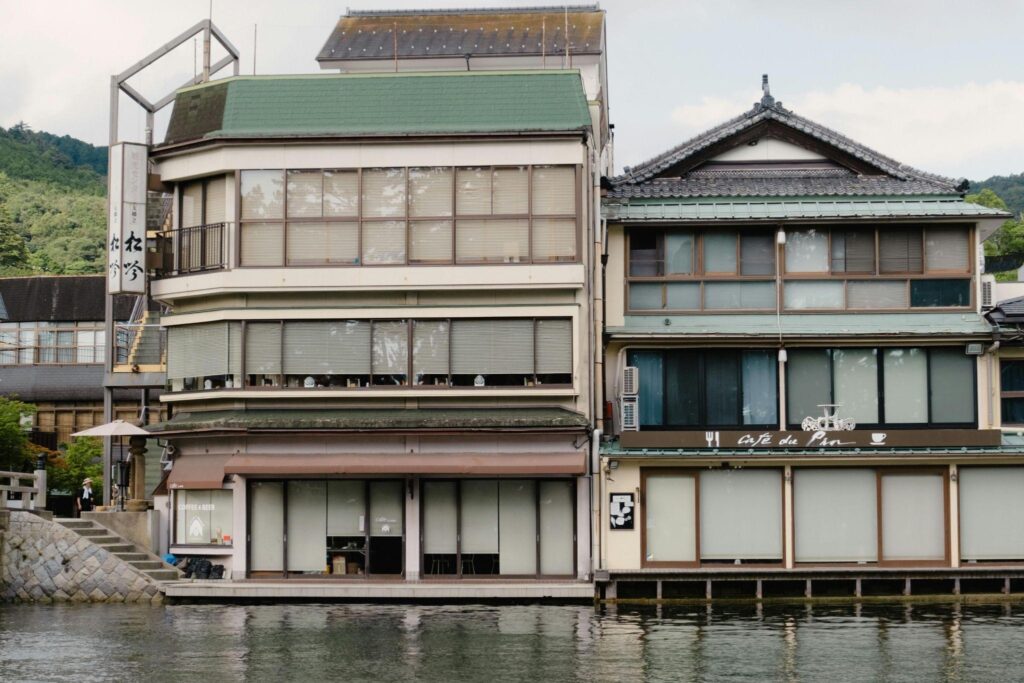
x: 993, y: 361
x: 596, y: 496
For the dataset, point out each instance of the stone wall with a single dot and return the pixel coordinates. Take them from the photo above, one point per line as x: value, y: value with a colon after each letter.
x: 41, y: 561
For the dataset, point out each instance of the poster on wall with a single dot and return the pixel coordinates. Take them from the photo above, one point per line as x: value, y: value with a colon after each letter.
x: 620, y: 511
x: 126, y: 219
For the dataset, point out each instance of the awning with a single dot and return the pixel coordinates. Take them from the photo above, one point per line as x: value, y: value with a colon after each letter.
x: 405, y: 463
x: 198, y: 472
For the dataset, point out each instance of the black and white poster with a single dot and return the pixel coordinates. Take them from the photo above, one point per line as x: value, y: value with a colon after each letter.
x: 620, y: 511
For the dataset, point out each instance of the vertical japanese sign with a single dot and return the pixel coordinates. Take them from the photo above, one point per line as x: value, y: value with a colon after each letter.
x: 126, y: 233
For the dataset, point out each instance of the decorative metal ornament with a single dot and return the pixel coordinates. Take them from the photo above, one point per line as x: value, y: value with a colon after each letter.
x: 829, y: 421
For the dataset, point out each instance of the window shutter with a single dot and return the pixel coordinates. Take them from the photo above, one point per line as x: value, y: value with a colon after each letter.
x: 554, y: 347
x: 262, y: 195
x: 430, y: 347
x: 430, y: 192
x: 511, y: 191
x: 554, y: 239
x: 327, y: 348
x: 859, y: 256
x: 947, y: 249
x: 305, y: 194
x: 554, y: 190
x: 216, y: 197
x: 323, y: 243
x: 757, y: 254
x: 430, y: 241
x: 492, y: 240
x: 262, y: 244
x: 383, y: 242
x: 390, y: 347
x: 198, y: 350
x: 473, y: 191
x: 349, y: 350
x: 234, y: 348
x: 492, y: 347
x: 192, y: 204
x: 807, y: 251
x: 900, y: 250
x: 341, y: 193
x: 263, y: 349
x: 383, y: 192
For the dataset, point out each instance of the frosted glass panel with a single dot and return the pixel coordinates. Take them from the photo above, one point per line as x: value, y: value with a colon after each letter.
x: 440, y: 518
x: 947, y: 249
x: 386, y: 512
x: 906, y: 386
x: 681, y: 296
x: 720, y: 252
x: 835, y: 515
x: 556, y: 535
x: 813, y: 294
x: 952, y: 379
x: 517, y: 520
x: 807, y: 251
x: 679, y: 253
x: 479, y: 516
x: 645, y: 296
x: 992, y: 513
x: 670, y: 518
x: 307, y: 526
x: 741, y: 515
x: 266, y: 526
x: 855, y: 378
x: 760, y: 393
x: 913, y: 517
x: 346, y: 508
x: 866, y: 294
x: 743, y: 295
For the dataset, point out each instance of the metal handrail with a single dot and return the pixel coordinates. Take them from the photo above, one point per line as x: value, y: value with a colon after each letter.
x: 195, y: 249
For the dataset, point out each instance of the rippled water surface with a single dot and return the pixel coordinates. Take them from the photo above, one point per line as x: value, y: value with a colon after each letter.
x: 212, y: 643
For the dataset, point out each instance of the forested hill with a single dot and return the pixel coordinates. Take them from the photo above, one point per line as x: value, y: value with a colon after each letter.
x: 52, y: 203
x: 1010, y: 189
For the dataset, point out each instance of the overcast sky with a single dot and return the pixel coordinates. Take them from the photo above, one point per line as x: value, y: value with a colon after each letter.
x: 937, y: 84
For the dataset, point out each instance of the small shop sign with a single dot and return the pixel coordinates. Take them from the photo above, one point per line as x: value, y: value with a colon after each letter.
x: 820, y: 438
x: 621, y: 511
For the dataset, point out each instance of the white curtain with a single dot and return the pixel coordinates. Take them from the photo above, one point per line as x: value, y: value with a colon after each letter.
x: 266, y: 528
x: 992, y: 513
x: 913, y: 517
x: 835, y: 515
x: 741, y: 514
x: 307, y: 526
x: 670, y: 518
x: 556, y: 524
x: 517, y: 523
x: 440, y: 517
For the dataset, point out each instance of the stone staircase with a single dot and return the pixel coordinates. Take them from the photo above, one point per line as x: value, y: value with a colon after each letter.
x: 145, y: 562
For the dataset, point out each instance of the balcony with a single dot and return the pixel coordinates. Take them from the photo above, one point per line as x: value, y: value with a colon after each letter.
x: 197, y: 249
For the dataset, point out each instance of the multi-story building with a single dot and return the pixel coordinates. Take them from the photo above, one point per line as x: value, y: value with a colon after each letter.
x: 380, y: 287
x: 801, y: 377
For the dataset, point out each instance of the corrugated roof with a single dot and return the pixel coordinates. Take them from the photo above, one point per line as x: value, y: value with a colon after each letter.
x: 778, y: 184
x: 365, y: 35
x: 377, y: 420
x: 60, y: 298
x: 797, y: 208
x: 380, y: 104
x: 745, y: 325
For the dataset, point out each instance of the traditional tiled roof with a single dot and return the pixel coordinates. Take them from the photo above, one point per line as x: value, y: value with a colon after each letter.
x: 60, y: 298
x: 892, y: 178
x: 1008, y: 312
x: 501, y: 31
x: 380, y: 104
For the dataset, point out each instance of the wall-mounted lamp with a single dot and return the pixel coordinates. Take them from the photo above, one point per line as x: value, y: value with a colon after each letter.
x: 780, y: 237
x: 974, y: 349
x: 613, y: 465
x: 783, y: 356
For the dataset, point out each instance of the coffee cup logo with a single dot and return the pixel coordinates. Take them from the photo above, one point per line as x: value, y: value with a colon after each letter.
x: 877, y: 438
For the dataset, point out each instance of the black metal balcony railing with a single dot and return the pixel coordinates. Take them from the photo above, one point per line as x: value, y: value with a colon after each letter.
x: 196, y: 249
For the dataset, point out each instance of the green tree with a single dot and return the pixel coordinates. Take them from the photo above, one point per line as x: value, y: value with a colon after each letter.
x: 13, y: 252
x: 1007, y: 241
x: 83, y: 458
x: 15, y: 454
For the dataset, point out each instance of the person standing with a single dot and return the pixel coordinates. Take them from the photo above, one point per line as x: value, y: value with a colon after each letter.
x: 86, y: 498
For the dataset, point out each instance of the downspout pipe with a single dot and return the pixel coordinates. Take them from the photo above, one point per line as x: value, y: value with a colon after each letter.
x: 596, y: 559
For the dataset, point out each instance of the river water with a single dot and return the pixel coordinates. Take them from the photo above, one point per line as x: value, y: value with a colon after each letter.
x: 213, y: 643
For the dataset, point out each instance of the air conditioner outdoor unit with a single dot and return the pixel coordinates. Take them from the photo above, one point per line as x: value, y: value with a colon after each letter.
x: 630, y: 381
x: 629, y: 414
x: 988, y: 286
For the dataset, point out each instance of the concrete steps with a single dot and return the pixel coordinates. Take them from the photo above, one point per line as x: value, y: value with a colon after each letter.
x: 146, y: 563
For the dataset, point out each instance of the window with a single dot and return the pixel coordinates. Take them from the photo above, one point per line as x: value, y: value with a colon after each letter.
x: 1011, y: 373
x: 398, y: 216
x: 57, y: 343
x: 692, y: 389
x: 515, y: 527
x: 342, y: 354
x: 835, y: 515
x: 991, y: 513
x: 891, y: 386
x: 203, y: 517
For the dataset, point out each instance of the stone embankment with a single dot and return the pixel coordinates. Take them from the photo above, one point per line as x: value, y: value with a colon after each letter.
x: 73, y: 561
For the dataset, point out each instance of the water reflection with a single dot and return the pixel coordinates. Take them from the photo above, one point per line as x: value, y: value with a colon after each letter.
x: 863, y: 642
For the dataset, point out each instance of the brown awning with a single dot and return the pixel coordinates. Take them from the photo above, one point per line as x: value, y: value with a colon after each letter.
x: 405, y: 463
x: 198, y: 472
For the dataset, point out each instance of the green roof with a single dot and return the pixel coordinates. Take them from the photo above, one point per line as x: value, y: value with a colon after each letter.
x: 615, y: 449
x: 753, y: 208
x: 380, y: 104
x: 806, y: 325
x: 385, y: 420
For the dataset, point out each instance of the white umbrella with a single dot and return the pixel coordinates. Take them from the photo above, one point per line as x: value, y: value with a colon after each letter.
x: 115, y: 428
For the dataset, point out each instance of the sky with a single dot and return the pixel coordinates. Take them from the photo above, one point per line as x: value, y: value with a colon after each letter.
x: 936, y: 84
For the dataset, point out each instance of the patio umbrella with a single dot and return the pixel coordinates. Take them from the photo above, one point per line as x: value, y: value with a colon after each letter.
x: 115, y: 428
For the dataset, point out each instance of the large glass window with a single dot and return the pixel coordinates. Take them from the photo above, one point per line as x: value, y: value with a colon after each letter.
x: 891, y: 386
x: 691, y: 389
x: 43, y: 342
x: 741, y: 515
x: 510, y: 527
x: 835, y: 515
x: 1011, y: 373
x: 342, y: 354
x: 203, y: 517
x: 398, y: 216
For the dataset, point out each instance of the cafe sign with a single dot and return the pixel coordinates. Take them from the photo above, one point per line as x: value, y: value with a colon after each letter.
x: 813, y: 439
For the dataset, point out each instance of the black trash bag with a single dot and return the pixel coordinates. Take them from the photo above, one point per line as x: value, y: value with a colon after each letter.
x: 217, y: 572
x: 203, y: 568
x: 190, y: 567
